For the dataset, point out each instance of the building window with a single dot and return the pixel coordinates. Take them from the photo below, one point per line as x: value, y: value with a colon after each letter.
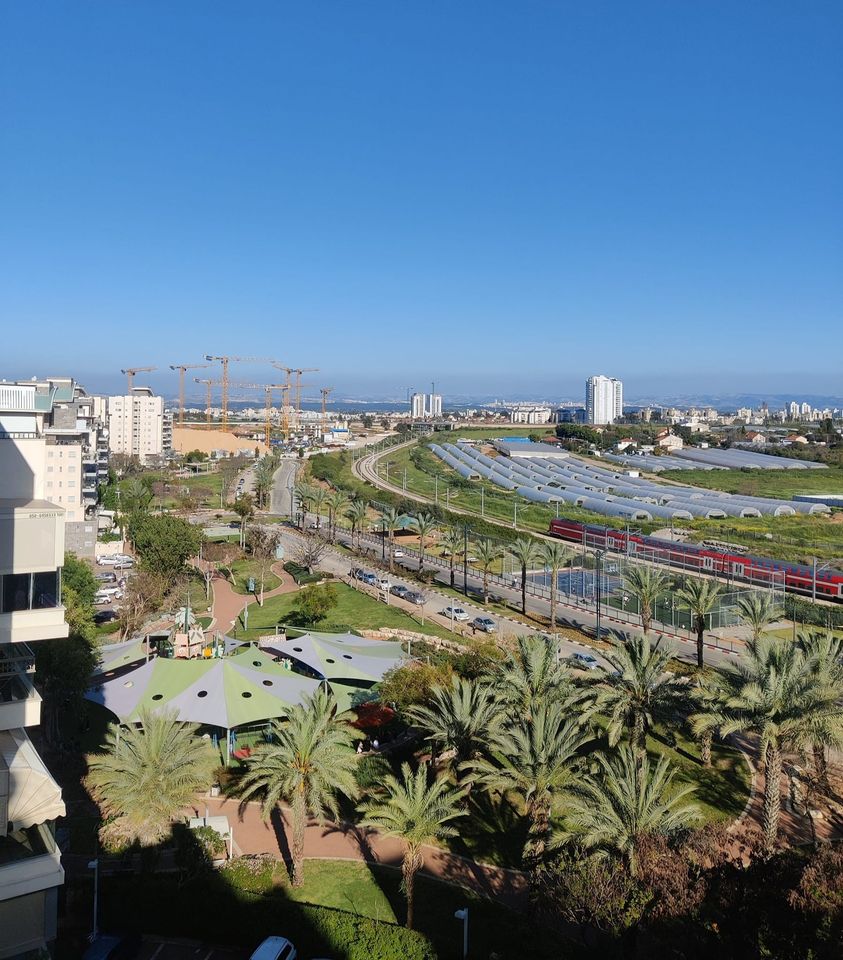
x: 16, y: 592
x: 30, y: 591
x: 45, y: 590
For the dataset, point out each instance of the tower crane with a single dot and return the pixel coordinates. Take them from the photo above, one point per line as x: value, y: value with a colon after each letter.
x: 130, y: 375
x: 325, y: 391
x: 208, y: 385
x: 224, y: 361
x: 182, y: 367
x: 285, y: 396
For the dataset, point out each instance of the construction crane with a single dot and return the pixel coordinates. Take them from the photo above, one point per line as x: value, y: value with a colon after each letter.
x: 285, y: 400
x: 208, y: 385
x: 325, y: 391
x: 182, y: 367
x: 130, y: 375
x: 298, y: 371
x: 224, y: 361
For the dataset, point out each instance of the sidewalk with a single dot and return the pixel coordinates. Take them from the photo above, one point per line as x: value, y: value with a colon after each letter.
x: 228, y: 604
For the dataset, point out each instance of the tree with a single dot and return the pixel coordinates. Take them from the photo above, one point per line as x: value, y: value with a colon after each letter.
x: 144, y: 593
x: 263, y: 544
x: 757, y: 610
x: 627, y: 801
x: 315, y: 603
x: 524, y: 551
x: 367, y: 421
x: 310, y: 551
x: 228, y: 471
x: 636, y: 688
x: 773, y: 692
x: 824, y: 652
x: 135, y: 496
x: 63, y: 667
x: 531, y: 676
x: 318, y: 496
x: 452, y: 541
x: 392, y: 520
x: 554, y: 556
x: 264, y: 475
x: 77, y: 575
x: 702, y: 598
x: 304, y: 495
x: 533, y: 757
x: 308, y: 763
x: 414, y: 683
x: 337, y: 501
x: 244, y: 507
x: 460, y: 718
x: 356, y: 513
x: 164, y: 542
x: 146, y: 776
x: 646, y: 584
x: 425, y: 525
x: 195, y: 456
x: 418, y: 811
x: 488, y: 553
x: 222, y: 555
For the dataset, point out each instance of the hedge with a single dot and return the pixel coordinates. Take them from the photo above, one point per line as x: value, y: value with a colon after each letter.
x: 815, y: 614
x: 301, y: 574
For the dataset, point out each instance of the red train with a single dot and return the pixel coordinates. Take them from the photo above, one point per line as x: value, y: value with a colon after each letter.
x: 795, y: 577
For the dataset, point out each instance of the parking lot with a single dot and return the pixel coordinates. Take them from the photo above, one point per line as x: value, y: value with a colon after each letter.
x: 155, y: 949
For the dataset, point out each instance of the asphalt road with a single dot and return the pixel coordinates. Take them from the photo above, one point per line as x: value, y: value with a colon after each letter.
x: 285, y: 477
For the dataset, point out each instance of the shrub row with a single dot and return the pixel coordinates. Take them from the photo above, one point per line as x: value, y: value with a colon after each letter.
x: 805, y: 611
x: 301, y: 574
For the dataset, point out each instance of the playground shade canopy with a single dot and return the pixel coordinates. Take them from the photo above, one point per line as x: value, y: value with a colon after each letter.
x: 342, y: 656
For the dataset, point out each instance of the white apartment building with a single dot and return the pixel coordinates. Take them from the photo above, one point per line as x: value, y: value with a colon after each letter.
x: 603, y: 400
x: 136, y: 424
x: 425, y: 405
x: 530, y: 414
x: 31, y: 557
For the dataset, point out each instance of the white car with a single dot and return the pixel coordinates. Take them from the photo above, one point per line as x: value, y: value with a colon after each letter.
x: 398, y: 553
x: 106, y: 561
x: 456, y: 613
x: 383, y: 584
x: 585, y: 661
x: 275, y: 948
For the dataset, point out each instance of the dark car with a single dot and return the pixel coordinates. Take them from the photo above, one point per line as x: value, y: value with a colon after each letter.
x: 107, y: 947
x: 415, y: 597
x: 399, y: 590
x: 105, y: 577
x: 105, y: 616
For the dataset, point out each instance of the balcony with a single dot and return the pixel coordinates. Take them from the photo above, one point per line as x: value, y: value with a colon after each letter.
x: 16, y: 658
x: 20, y: 703
x: 29, y: 626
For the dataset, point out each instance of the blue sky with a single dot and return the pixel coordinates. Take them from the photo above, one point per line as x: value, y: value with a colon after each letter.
x: 505, y: 196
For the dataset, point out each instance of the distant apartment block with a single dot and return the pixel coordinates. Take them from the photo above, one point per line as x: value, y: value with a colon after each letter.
x: 425, y: 405
x: 136, y: 424
x: 603, y: 400
x: 31, y: 556
x: 528, y: 413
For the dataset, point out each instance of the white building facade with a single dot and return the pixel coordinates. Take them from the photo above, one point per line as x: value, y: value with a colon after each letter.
x: 136, y: 424
x: 425, y: 405
x: 603, y: 400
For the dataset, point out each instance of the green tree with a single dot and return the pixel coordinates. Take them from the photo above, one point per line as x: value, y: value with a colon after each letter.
x: 264, y: 474
x: 318, y: 496
x: 824, y: 652
x: 488, y: 553
x: 554, y: 556
x: 77, y: 575
x: 308, y: 763
x: 425, y: 525
x: 337, y: 501
x: 413, y: 683
x: 392, y: 520
x: 146, y: 776
x: 758, y: 610
x: 636, y: 689
x: 314, y: 603
x: 244, y: 507
x: 646, y: 584
x: 418, y: 811
x: 524, y: 551
x: 452, y: 542
x: 531, y: 676
x: 63, y: 669
x: 356, y: 513
x: 304, y: 493
x: 263, y: 543
x: 165, y: 542
x: 702, y: 598
x: 460, y: 718
x: 135, y: 496
x: 626, y: 802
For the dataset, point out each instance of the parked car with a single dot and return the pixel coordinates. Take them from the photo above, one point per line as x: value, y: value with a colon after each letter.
x: 368, y: 578
x: 585, y: 661
x: 101, y: 598
x: 413, y: 596
x: 486, y: 624
x: 383, y: 584
x: 356, y: 572
x: 455, y: 613
x: 105, y: 577
x: 106, y: 561
x: 399, y: 590
x: 105, y: 616
x: 275, y: 948
x: 398, y: 553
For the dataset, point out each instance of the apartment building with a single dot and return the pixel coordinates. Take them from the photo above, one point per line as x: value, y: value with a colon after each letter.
x: 603, y: 400
x: 136, y: 424
x: 31, y: 557
x: 529, y: 413
x: 425, y: 405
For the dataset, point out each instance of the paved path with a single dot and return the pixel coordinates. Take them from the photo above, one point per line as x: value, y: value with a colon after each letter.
x: 228, y: 604
x: 284, y: 478
x: 253, y: 835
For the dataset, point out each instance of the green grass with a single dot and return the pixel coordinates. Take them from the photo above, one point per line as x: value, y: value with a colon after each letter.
x: 797, y: 538
x: 780, y: 484
x: 354, y: 609
x: 247, y: 567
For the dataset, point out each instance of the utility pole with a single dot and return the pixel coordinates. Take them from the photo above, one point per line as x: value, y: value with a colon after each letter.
x: 465, y: 559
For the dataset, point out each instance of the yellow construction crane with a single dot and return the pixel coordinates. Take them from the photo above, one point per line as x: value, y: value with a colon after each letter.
x: 325, y: 391
x: 182, y: 367
x: 298, y: 371
x: 208, y: 385
x: 224, y: 361
x: 130, y: 375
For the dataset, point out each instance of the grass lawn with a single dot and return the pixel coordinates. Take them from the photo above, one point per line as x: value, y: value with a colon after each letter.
x: 247, y: 567
x: 782, y: 484
x: 354, y: 609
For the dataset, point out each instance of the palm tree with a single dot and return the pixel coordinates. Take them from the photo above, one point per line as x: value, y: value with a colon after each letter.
x: 773, y: 692
x: 628, y: 800
x: 646, y: 584
x: 460, y: 717
x: 356, y: 513
x: 534, y: 758
x: 337, y: 501
x: 758, y: 610
x: 425, y: 526
x: 304, y: 495
x: 702, y: 598
x: 264, y: 473
x: 452, y: 540
x: 135, y: 496
x: 524, y: 550
x: 554, y: 556
x: 488, y: 553
x: 308, y: 762
x: 825, y: 654
x: 147, y: 775
x: 635, y: 688
x: 531, y: 676
x: 318, y: 496
x: 392, y: 520
x: 417, y: 811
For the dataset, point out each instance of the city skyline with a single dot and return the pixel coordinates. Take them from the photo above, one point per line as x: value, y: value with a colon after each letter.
x: 489, y: 191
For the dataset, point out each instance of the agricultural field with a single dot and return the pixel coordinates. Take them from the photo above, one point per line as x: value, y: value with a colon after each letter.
x: 780, y: 484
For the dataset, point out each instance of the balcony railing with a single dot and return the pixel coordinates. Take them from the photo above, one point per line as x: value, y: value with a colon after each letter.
x: 15, y: 657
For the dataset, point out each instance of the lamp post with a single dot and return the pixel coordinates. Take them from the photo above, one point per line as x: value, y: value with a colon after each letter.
x: 95, y: 866
x: 597, y: 570
x: 465, y: 559
x: 463, y: 915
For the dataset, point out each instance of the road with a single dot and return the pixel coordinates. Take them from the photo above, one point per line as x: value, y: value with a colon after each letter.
x: 284, y: 478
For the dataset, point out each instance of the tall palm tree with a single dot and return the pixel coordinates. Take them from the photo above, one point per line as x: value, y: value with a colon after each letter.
x: 356, y: 513
x: 702, y: 597
x: 774, y: 693
x: 425, y: 525
x: 392, y: 520
x: 534, y: 758
x: 318, y: 497
x: 452, y: 540
x: 309, y: 761
x: 418, y: 812
x: 337, y: 501
x: 554, y: 556
x: 264, y: 473
x: 635, y: 688
x: 824, y: 652
x: 147, y: 775
x: 488, y: 553
x: 304, y: 494
x: 530, y: 676
x: 525, y: 551
x: 646, y: 584
x: 627, y: 800
x: 135, y: 496
x: 460, y: 717
x: 758, y: 610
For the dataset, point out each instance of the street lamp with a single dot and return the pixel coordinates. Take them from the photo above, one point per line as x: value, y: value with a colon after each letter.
x: 598, y: 557
x: 95, y: 866
x: 463, y: 915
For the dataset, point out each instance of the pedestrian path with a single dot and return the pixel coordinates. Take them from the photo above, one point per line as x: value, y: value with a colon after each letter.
x: 228, y: 604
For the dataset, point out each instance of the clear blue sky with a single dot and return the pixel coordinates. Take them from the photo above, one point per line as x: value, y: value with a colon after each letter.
x: 511, y: 194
